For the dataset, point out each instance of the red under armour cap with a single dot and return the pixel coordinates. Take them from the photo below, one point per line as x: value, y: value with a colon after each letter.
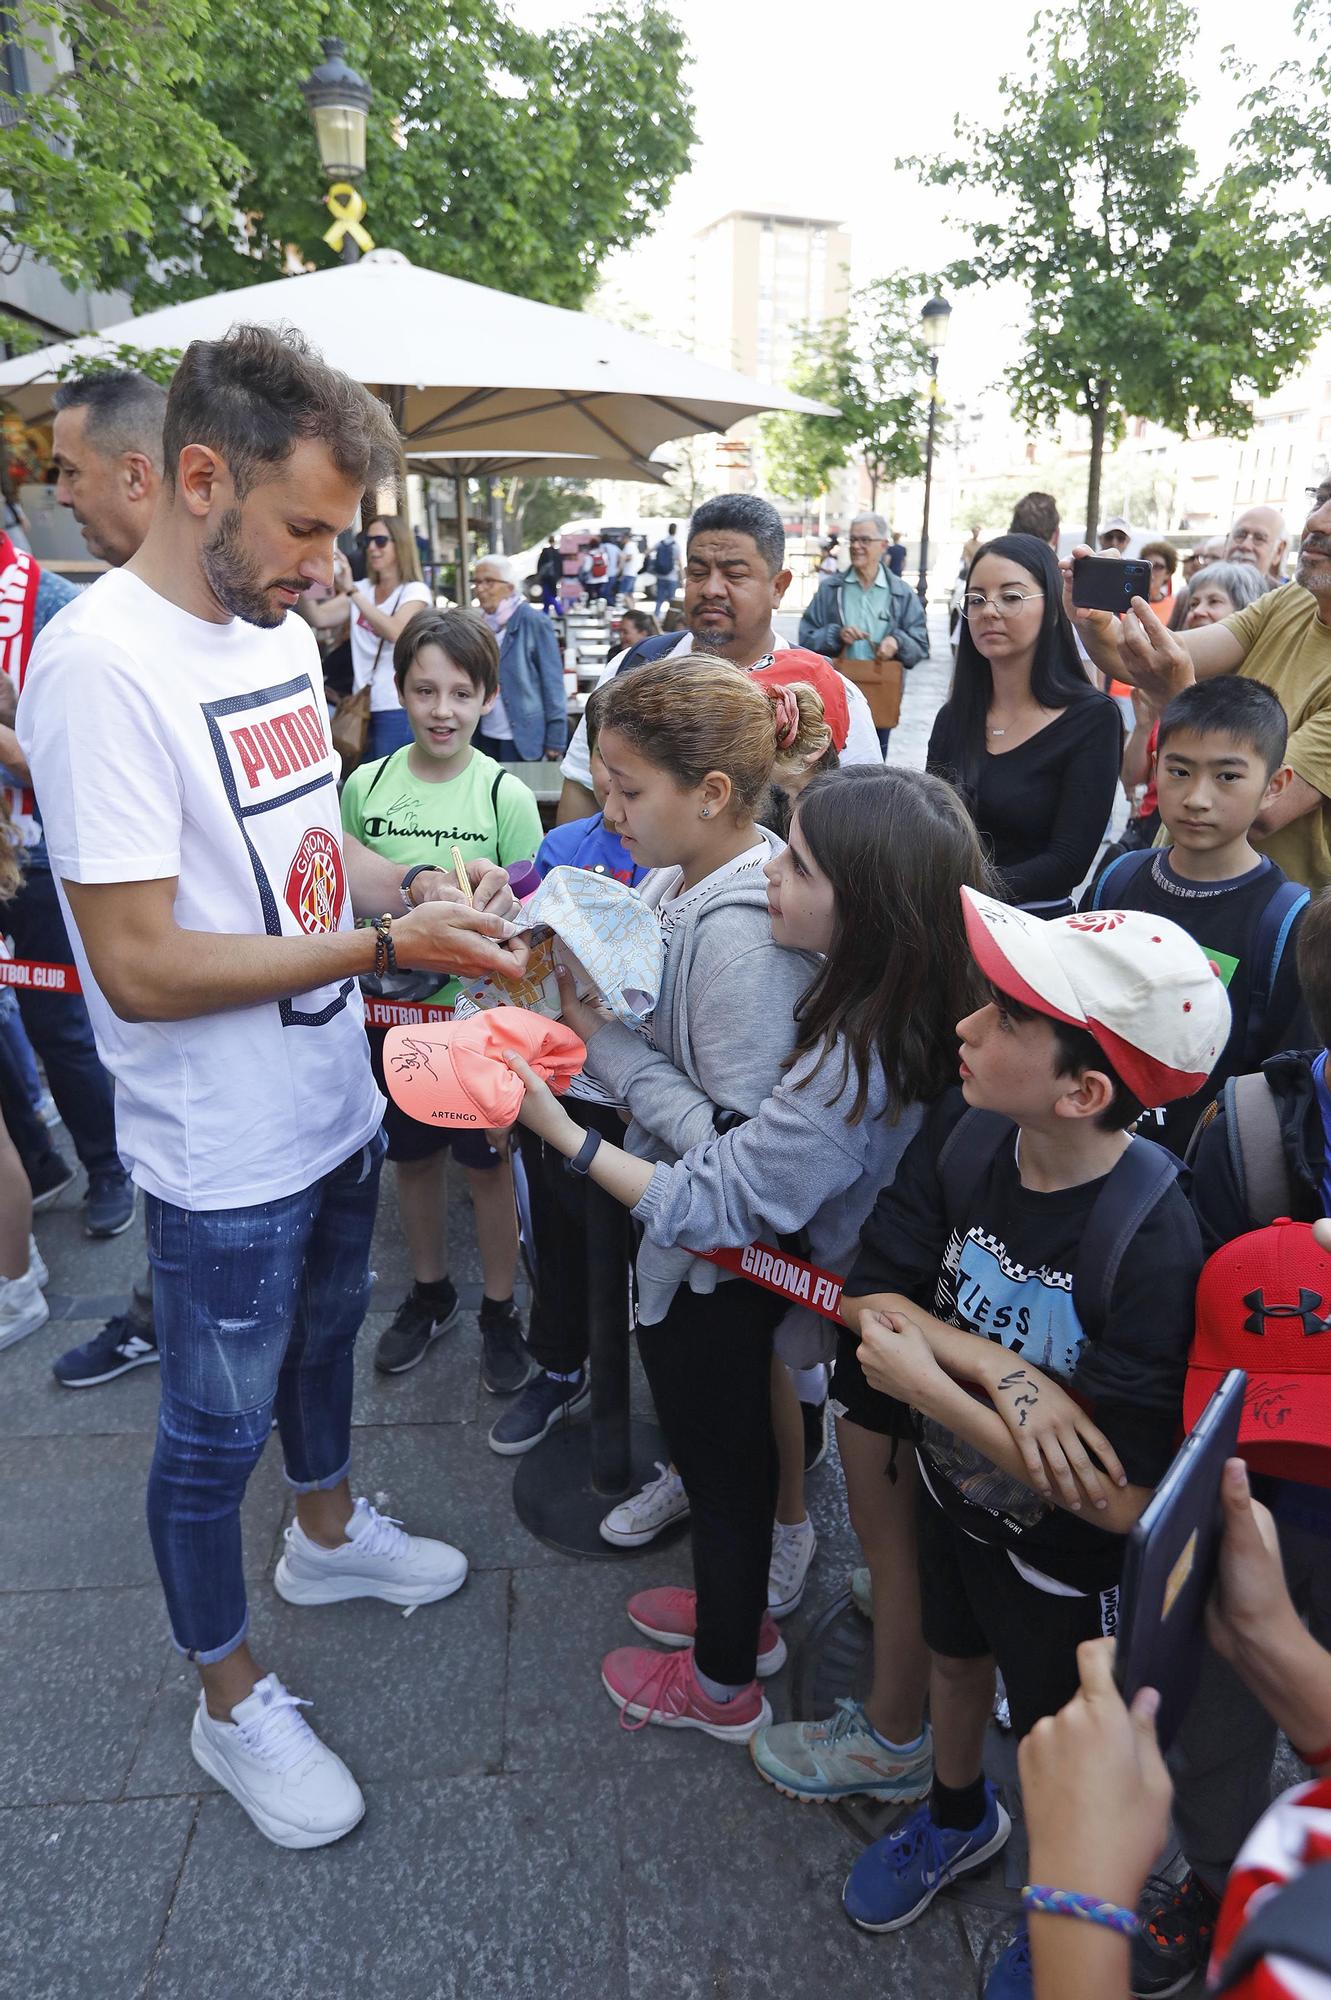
x: 1264, y: 1305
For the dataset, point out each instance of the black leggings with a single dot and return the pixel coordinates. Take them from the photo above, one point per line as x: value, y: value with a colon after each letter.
x: 560, y: 1205
x: 709, y: 1363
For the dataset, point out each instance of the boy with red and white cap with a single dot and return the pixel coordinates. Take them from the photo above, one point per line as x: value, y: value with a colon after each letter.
x: 1030, y: 1249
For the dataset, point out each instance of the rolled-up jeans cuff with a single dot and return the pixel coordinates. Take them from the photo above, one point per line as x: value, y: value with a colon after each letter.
x: 318, y: 1485
x: 213, y: 1654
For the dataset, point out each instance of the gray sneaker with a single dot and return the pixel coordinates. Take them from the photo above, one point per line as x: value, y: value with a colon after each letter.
x: 841, y: 1759
x: 414, y: 1325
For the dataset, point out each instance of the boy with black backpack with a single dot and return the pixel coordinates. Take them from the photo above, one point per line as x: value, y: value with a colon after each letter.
x: 1030, y: 1248
x: 1220, y: 764
x: 1264, y: 1154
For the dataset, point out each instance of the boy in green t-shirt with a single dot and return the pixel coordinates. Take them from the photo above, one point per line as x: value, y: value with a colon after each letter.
x: 415, y: 805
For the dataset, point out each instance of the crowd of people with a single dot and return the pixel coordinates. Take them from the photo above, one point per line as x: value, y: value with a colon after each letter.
x: 923, y: 1030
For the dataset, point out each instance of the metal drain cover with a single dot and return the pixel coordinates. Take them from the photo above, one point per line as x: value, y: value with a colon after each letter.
x: 835, y: 1659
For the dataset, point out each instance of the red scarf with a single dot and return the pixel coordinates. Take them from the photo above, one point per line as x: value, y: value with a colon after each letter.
x: 19, y: 578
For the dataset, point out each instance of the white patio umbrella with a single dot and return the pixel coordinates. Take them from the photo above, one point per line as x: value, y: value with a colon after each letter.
x: 464, y: 369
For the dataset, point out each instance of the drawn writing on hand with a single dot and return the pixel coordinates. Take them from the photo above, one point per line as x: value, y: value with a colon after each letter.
x: 413, y: 1056
x: 1025, y: 1403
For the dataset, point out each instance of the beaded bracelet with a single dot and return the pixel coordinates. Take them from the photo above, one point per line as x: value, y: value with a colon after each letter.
x: 1042, y: 1901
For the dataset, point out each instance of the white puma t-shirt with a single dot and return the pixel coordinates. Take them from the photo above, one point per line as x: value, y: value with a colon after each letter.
x: 163, y: 745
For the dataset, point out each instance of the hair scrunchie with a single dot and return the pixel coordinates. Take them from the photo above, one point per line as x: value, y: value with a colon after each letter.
x: 786, y: 713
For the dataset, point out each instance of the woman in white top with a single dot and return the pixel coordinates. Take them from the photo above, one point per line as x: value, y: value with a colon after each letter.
x: 378, y: 610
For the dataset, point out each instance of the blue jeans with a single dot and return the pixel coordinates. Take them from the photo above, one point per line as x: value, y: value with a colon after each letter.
x: 57, y: 1024
x: 666, y: 587
x: 257, y: 1311
x: 389, y: 730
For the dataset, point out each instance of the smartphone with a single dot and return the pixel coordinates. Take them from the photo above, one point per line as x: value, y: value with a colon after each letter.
x: 1108, y: 583
x: 1170, y: 1564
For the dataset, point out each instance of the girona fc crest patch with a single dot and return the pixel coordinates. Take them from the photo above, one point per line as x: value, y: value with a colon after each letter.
x: 1096, y: 921
x: 316, y: 882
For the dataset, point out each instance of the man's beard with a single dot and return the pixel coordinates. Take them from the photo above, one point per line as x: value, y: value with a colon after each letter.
x: 233, y: 576
x: 714, y: 642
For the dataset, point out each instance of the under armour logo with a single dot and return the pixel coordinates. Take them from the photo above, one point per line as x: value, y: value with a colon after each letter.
x: 1306, y: 1310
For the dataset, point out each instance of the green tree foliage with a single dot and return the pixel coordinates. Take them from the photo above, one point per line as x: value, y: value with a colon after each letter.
x: 179, y: 158
x: 1287, y: 145
x: 872, y: 367
x: 1147, y: 294
x: 534, y: 508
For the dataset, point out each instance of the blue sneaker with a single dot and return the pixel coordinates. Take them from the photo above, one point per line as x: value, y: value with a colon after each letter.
x: 534, y: 1414
x: 895, y: 1880
x: 1011, y: 1977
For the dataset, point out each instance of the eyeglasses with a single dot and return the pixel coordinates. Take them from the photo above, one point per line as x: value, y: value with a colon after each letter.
x: 1156, y: 563
x: 1007, y: 604
x: 376, y: 541
x: 867, y: 542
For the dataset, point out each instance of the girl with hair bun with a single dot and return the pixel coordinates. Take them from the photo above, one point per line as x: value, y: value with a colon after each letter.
x: 806, y: 1013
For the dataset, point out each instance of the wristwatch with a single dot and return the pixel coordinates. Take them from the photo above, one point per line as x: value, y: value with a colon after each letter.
x: 586, y: 1153
x: 421, y: 868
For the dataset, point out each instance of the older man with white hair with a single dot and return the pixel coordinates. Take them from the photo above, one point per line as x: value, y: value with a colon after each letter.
x: 529, y: 721
x: 1259, y: 536
x: 871, y: 621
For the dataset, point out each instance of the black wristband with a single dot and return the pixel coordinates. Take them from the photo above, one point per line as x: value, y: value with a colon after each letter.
x: 586, y: 1153
x: 421, y: 868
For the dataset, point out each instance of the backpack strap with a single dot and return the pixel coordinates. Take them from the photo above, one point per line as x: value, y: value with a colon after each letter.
x: 1122, y: 871
x: 966, y: 1156
x: 384, y: 763
x: 1268, y: 947
x: 656, y: 646
x: 1292, y: 1922
x: 1256, y: 1151
x: 1131, y: 1191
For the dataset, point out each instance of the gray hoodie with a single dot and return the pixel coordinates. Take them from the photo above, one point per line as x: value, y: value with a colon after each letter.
x: 722, y: 1025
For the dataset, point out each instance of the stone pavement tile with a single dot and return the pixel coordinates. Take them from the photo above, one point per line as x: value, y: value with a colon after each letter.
x: 34, y: 1404
x: 462, y: 1889
x: 443, y: 1479
x: 86, y: 1892
x: 78, y: 1673
x: 441, y: 1389
x: 398, y: 1697
x: 558, y: 1713
x: 71, y: 1513
x: 732, y: 1889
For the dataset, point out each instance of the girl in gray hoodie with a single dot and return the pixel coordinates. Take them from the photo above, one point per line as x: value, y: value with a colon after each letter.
x: 864, y: 1034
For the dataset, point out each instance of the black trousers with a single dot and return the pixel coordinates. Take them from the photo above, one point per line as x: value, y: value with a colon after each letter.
x: 561, y: 1206
x: 709, y: 1363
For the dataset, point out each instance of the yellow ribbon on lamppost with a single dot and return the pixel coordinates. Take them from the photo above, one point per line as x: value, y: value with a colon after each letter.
x: 346, y: 206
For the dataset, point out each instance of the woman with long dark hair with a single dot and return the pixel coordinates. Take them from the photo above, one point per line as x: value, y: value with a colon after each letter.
x: 1030, y: 744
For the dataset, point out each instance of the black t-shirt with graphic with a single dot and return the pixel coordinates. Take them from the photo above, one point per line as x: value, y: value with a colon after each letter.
x: 1005, y: 1271
x: 1223, y: 918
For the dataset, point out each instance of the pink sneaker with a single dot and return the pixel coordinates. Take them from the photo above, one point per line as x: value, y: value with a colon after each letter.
x: 670, y: 1616
x: 662, y: 1687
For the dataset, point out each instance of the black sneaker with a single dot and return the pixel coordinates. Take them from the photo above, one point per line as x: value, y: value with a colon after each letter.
x: 1174, y: 1942
x: 49, y: 1178
x: 815, y: 1433
x: 536, y: 1412
x: 414, y: 1325
x: 506, y: 1366
x: 108, y: 1206
x: 122, y: 1344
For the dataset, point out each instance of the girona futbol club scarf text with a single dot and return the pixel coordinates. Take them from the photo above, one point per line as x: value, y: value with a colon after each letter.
x: 19, y: 577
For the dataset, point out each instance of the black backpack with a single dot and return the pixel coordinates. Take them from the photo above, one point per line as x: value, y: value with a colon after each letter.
x: 658, y: 646
x: 665, y: 557
x: 1131, y: 1190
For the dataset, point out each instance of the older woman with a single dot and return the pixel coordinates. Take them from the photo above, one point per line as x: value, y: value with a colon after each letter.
x: 870, y: 621
x: 377, y: 610
x: 529, y: 720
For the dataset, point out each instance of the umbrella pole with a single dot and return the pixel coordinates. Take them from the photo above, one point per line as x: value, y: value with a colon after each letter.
x: 464, y: 558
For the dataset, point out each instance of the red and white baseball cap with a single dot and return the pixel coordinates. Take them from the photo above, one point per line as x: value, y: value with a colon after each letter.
x: 1264, y: 1304
x: 1142, y: 987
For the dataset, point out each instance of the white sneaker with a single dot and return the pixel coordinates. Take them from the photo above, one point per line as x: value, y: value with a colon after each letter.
x: 792, y: 1552
x: 37, y: 1270
x: 296, y: 1790
x: 377, y: 1560
x: 22, y: 1308
x: 643, y: 1515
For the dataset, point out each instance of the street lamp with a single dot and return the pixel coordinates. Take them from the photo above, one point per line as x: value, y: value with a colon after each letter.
x: 933, y: 327
x: 338, y: 101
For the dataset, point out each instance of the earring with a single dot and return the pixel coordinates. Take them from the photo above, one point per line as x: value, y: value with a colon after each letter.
x: 705, y: 812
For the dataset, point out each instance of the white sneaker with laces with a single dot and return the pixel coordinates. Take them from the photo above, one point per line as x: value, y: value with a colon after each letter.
x: 37, y: 1270
x: 297, y: 1791
x: 641, y: 1517
x: 792, y: 1552
x: 22, y: 1308
x: 376, y: 1560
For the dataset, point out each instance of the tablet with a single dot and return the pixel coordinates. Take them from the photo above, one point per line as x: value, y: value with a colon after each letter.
x: 1170, y: 1564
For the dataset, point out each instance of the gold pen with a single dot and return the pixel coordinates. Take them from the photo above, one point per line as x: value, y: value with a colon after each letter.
x: 460, y: 870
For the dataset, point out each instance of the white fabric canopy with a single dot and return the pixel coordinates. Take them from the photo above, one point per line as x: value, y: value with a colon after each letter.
x: 465, y: 369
